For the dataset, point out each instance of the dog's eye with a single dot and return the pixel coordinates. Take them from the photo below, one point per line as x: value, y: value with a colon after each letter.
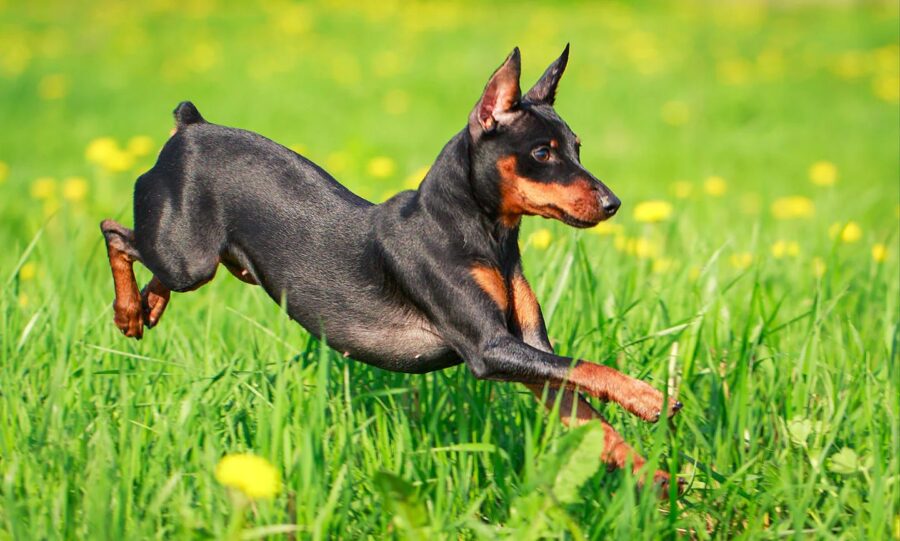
x: 541, y: 154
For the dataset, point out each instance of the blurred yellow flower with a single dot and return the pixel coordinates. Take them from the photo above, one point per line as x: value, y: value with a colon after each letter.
x: 23, y: 300
x: 794, y: 206
x: 879, y: 253
x: 682, y: 189
x: 741, y: 260
x: 105, y: 152
x: 694, y: 273
x: 99, y: 148
x: 4, y: 172
x: 784, y: 248
x: 652, y: 211
x: 254, y: 476
x: 140, y: 145
x: 715, y: 186
x: 823, y: 173
x: 640, y: 247
x: 337, y: 162
x: 887, y: 88
x: 53, y: 87
x: 540, y: 239
x: 396, y: 102
x: 848, y: 233
x: 849, y: 65
x: 43, y: 188
x: 733, y: 71
x: 299, y: 148
x: 27, y: 271
x: 381, y: 167
x: 675, y: 113
x: 415, y: 178
x: 607, y: 228
x: 662, y: 265
x: 74, y: 189
x: 819, y: 267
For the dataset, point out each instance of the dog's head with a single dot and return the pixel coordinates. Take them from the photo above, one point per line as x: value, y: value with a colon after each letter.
x: 526, y: 159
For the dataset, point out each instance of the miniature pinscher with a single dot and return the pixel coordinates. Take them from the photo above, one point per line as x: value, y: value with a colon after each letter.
x: 429, y: 279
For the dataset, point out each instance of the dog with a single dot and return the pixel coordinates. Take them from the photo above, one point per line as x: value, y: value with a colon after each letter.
x: 429, y: 279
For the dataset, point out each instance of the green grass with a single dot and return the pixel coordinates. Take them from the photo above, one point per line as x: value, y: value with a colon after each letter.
x: 788, y: 367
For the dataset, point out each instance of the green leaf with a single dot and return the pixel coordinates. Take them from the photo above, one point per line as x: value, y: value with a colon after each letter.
x: 401, y: 500
x: 799, y: 430
x: 580, y: 451
x: 844, y: 462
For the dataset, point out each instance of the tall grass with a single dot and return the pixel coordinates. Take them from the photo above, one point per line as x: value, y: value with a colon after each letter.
x: 786, y: 362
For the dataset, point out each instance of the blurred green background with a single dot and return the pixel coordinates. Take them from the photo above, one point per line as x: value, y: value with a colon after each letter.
x: 755, y: 146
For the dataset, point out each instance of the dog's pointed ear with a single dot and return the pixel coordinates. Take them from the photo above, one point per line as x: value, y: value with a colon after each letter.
x: 501, y: 96
x: 544, y: 91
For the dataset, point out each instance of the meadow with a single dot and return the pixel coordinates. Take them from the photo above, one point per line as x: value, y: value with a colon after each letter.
x: 753, y: 271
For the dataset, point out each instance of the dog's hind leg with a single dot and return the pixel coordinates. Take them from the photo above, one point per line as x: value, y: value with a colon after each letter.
x: 122, y: 255
x: 154, y: 299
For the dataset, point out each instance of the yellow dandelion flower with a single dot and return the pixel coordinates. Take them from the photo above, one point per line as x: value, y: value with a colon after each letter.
x: 27, y: 272
x: 540, y: 239
x: 254, y: 476
x: 675, y: 113
x: 794, y: 206
x: 43, y: 188
x: 621, y: 243
x: 879, y: 253
x: 823, y: 173
x: 105, y: 152
x: 847, y: 233
x: 607, y: 228
x: 642, y: 247
x: 53, y: 87
x: 98, y: 149
x: 4, y: 172
x: 662, y: 265
x: 715, y: 186
x: 74, y: 189
x: 381, y: 167
x: 415, y: 178
x: 140, y: 145
x: 682, y: 189
x: 742, y: 260
x: 887, y: 88
x: 818, y: 267
x: 652, y: 211
x: 784, y: 248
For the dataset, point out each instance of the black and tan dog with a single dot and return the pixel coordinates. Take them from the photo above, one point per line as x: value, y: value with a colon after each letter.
x: 426, y: 280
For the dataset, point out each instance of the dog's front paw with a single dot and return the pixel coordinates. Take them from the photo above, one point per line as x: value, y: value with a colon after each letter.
x: 644, y: 400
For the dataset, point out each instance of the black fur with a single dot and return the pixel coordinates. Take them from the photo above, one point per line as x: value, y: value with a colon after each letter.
x: 388, y: 284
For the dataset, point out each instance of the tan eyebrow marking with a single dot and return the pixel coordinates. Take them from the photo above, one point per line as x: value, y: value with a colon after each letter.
x: 554, y: 143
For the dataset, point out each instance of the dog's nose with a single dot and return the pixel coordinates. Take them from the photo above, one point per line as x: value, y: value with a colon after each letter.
x: 610, y: 204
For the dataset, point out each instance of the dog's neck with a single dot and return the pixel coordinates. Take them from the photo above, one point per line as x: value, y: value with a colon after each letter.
x: 449, y: 194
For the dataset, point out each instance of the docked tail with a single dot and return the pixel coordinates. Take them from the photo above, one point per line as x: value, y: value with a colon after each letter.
x: 185, y: 113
